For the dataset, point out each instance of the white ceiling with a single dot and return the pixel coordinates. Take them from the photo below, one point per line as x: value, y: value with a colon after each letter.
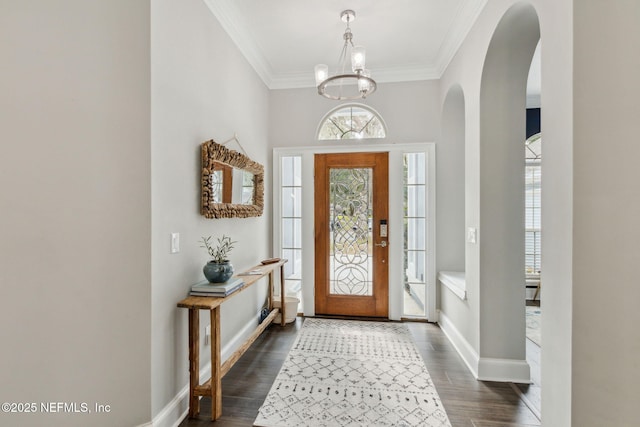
x: 406, y: 40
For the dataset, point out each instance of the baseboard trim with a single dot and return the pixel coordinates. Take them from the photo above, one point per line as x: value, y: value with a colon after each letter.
x: 485, y: 368
x: 504, y: 370
x: 178, y: 408
x: 459, y: 342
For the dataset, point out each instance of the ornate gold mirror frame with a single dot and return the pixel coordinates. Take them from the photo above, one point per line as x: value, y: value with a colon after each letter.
x: 213, y: 154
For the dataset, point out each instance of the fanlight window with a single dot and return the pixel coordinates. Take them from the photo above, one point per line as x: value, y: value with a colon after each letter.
x: 353, y: 121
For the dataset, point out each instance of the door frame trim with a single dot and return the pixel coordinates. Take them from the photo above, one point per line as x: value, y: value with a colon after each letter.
x: 396, y: 152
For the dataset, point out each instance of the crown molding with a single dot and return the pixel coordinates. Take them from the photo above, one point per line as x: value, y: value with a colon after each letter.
x: 458, y: 32
x: 405, y: 73
x: 226, y: 13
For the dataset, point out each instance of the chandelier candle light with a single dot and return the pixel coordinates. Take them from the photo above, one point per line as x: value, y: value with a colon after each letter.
x: 344, y: 86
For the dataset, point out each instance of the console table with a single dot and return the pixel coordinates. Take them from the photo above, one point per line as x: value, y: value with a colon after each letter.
x: 213, y: 387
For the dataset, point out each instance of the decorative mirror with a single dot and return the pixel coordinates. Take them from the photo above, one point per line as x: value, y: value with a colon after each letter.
x: 232, y: 183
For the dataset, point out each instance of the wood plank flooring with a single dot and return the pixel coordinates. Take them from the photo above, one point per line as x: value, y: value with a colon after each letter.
x: 468, y: 402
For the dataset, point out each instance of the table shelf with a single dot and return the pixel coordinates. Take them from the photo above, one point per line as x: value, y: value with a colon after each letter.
x: 213, y: 386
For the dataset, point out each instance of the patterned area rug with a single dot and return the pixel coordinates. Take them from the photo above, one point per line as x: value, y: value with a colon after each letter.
x: 352, y: 373
x: 533, y: 324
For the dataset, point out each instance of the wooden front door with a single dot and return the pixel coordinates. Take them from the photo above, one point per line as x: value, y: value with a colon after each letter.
x: 351, y: 245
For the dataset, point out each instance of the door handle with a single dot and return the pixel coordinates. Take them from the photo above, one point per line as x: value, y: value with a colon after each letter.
x: 383, y: 244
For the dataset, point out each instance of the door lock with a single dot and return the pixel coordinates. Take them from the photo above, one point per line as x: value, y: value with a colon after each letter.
x: 383, y: 244
x: 383, y: 228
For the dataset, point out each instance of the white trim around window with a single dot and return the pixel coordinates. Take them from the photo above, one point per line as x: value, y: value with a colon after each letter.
x: 396, y: 152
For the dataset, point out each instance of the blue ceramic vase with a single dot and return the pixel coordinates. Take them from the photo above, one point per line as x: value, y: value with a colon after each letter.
x: 218, y: 272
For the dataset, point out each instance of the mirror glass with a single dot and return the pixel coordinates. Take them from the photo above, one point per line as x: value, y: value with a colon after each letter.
x: 232, y: 183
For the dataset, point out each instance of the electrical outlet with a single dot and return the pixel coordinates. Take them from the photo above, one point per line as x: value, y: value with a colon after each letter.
x: 207, y: 335
x: 263, y: 314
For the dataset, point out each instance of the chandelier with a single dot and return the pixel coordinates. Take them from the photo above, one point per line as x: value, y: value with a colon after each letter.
x: 346, y: 85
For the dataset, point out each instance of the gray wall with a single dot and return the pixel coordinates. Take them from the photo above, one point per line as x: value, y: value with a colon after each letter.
x: 502, y: 134
x: 202, y: 88
x: 79, y: 277
x: 465, y: 70
x: 450, y: 181
x: 75, y: 170
x: 410, y: 110
x: 605, y: 364
x: 450, y: 205
x: 590, y: 203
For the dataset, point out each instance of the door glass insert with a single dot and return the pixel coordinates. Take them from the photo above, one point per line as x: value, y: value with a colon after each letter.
x: 216, y: 186
x: 350, y: 223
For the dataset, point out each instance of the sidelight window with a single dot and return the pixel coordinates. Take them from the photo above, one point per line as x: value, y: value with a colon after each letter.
x: 291, y: 220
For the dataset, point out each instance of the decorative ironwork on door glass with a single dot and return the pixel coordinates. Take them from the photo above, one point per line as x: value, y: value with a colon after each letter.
x: 350, y: 270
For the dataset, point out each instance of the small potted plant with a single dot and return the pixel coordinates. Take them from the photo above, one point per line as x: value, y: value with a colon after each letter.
x: 219, y: 269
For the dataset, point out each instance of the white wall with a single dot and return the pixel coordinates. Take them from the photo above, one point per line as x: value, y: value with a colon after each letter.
x: 410, y: 110
x: 606, y: 251
x: 202, y: 88
x: 75, y: 273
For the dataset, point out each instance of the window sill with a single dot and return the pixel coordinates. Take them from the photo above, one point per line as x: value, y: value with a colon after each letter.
x: 455, y: 281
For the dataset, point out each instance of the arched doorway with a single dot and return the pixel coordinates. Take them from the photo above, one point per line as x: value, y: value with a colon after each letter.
x: 501, y: 246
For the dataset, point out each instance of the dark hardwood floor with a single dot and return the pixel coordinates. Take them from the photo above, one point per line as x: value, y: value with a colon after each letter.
x: 468, y: 402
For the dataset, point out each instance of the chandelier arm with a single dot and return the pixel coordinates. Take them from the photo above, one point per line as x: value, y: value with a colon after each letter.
x: 342, y: 61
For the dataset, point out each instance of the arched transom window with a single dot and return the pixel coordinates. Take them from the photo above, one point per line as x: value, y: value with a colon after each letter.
x: 352, y: 121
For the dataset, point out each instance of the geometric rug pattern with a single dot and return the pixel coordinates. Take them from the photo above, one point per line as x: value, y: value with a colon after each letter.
x: 533, y: 321
x: 352, y: 373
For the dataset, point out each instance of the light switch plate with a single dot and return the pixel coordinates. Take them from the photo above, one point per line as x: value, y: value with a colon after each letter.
x: 175, y: 243
x: 472, y: 235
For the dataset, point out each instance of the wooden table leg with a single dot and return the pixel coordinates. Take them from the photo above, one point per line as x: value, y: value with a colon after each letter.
x: 283, y: 320
x: 216, y: 374
x: 194, y: 361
